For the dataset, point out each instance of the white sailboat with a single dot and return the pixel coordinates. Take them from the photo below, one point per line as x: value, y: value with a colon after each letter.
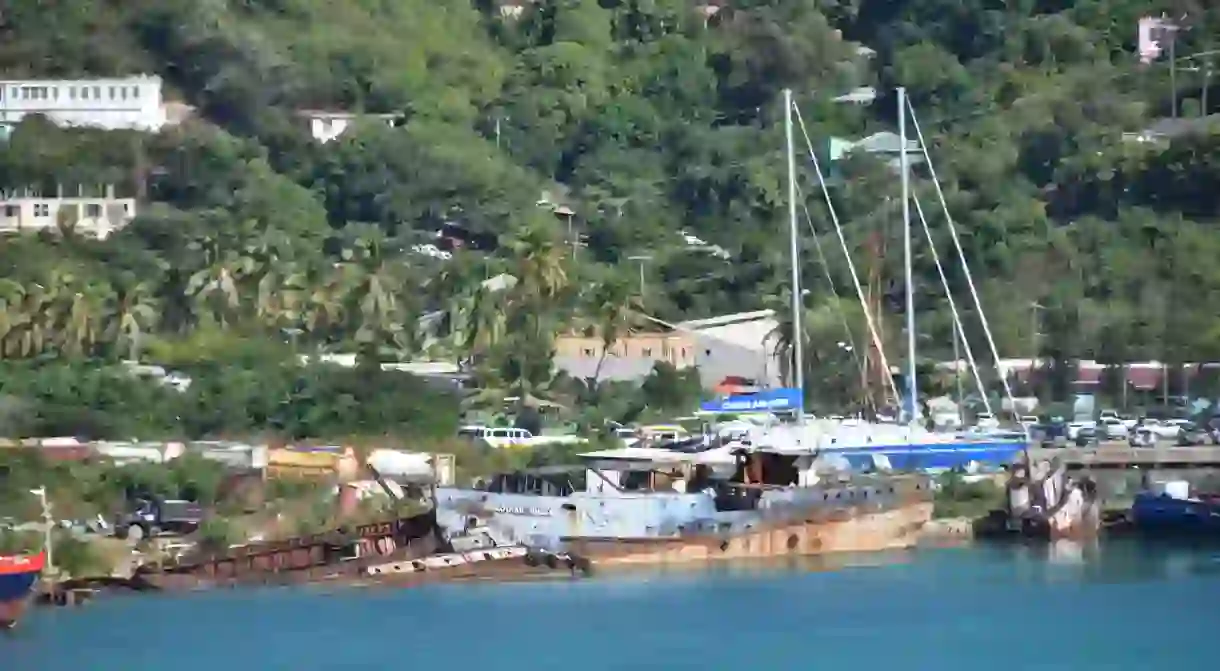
x: 862, y: 443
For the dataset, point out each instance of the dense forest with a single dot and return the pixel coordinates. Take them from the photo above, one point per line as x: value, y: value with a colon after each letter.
x: 649, y: 120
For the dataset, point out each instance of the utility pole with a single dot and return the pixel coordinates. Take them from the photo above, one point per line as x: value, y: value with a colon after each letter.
x: 905, y: 167
x: 1207, y: 81
x: 642, y: 259
x: 798, y: 343
x: 1035, y: 333
x: 569, y: 213
x: 48, y: 523
x: 1173, y: 70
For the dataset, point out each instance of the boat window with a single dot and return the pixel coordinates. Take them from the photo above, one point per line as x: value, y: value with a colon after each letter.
x: 766, y: 468
x: 634, y: 481
x: 470, y: 432
x: 555, y: 484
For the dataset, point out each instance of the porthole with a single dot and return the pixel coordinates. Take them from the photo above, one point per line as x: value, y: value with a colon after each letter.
x: 793, y: 541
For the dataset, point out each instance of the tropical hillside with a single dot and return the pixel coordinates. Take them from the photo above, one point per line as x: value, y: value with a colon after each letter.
x: 649, y: 123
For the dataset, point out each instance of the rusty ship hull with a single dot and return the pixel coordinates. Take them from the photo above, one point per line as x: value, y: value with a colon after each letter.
x: 340, y: 554
x: 842, y: 530
x: 845, y: 527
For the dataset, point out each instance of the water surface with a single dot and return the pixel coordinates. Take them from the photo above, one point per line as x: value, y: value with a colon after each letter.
x: 1121, y: 606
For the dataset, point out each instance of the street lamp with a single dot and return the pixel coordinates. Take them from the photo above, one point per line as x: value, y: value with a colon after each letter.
x: 565, y: 211
x: 1207, y: 77
x: 642, y: 259
x: 1035, y: 328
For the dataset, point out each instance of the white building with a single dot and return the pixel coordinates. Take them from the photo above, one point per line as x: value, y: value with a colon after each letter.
x: 133, y: 103
x: 737, y: 345
x: 325, y: 126
x: 93, y: 216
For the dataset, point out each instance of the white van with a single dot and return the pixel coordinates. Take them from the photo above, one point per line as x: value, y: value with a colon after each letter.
x: 500, y: 436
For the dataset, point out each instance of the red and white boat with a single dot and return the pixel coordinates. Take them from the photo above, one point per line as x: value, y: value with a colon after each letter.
x: 18, y: 575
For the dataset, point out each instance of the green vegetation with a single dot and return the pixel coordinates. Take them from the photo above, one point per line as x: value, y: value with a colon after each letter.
x: 80, y: 491
x: 955, y: 497
x: 646, y: 119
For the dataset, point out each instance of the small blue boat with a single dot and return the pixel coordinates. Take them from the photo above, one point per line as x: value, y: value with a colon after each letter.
x: 1175, y: 510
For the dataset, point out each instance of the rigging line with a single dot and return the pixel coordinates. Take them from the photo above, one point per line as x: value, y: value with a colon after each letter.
x: 957, y: 244
x: 957, y: 321
x: 855, y: 278
x: 817, y: 245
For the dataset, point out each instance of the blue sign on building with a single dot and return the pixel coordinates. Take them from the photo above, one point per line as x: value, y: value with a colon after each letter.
x: 771, y: 400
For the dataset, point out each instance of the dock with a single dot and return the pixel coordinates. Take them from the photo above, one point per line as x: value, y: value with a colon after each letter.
x: 1122, y: 456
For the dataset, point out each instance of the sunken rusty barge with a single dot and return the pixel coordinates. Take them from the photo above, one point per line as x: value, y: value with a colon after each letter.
x: 381, y: 552
x: 340, y: 553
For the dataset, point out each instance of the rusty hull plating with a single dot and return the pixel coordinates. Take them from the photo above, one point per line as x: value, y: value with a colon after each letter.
x: 412, y: 551
x: 339, y: 553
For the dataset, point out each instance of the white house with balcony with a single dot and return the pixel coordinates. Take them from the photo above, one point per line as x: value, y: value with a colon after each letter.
x: 90, y: 215
x: 131, y: 103
x: 325, y: 126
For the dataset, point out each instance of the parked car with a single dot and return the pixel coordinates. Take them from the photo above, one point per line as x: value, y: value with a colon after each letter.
x: 986, y: 420
x: 1112, y: 428
x: 1168, y: 429
x: 1086, y: 436
x: 1142, y: 436
x: 1074, y: 428
x: 1191, y: 434
x: 1051, y: 434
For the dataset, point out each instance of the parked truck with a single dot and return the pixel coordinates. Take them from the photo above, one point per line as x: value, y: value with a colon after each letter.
x: 152, y: 517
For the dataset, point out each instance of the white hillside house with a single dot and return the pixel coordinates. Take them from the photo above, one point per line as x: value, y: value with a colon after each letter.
x: 325, y: 126
x: 94, y: 215
x: 132, y: 103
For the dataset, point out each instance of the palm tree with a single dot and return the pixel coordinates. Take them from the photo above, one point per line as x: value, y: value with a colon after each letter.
x: 12, y: 300
x: 541, y: 261
x: 86, y: 315
x: 612, y: 307
x: 370, y: 294
x: 828, y: 350
x: 216, y: 287
x: 74, y: 312
x: 282, y: 294
x: 26, y: 319
x: 133, y: 312
x: 479, y: 322
x: 322, y: 303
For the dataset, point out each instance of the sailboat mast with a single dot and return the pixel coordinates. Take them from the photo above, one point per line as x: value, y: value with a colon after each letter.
x: 905, y: 167
x: 798, y: 339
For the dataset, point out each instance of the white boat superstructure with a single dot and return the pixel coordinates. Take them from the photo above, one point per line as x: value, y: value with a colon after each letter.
x: 831, y: 434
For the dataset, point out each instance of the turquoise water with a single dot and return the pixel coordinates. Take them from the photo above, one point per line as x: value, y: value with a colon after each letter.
x: 1118, y: 607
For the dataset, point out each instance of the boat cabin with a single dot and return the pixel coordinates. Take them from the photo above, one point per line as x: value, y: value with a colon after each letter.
x: 734, y: 476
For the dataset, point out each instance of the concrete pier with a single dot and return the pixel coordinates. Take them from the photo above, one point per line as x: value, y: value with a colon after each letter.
x: 1122, y: 456
x: 1121, y: 471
